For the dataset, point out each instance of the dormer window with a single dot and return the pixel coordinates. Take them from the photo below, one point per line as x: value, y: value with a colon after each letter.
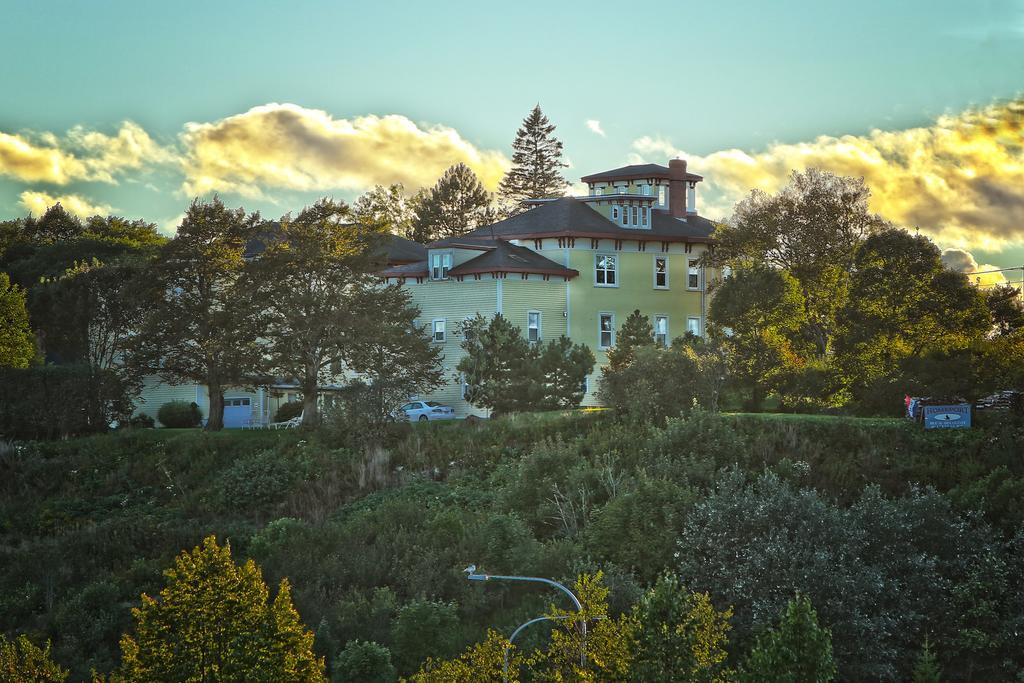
x: 440, y: 264
x: 615, y: 212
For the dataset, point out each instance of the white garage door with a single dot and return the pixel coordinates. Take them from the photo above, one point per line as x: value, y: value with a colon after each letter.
x: 237, y: 412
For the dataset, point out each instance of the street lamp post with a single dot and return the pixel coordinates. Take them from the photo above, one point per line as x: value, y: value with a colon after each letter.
x: 472, y: 575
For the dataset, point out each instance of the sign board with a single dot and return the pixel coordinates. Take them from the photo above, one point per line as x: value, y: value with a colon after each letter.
x: 948, y: 417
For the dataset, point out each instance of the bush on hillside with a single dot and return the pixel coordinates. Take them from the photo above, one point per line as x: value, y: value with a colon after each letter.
x: 287, y: 411
x: 142, y: 421
x: 258, y: 481
x: 59, y: 401
x: 179, y: 415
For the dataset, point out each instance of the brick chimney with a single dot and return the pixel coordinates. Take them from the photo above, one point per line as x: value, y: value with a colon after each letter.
x: 677, y: 187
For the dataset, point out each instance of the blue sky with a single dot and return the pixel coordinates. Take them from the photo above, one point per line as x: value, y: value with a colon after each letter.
x: 691, y: 78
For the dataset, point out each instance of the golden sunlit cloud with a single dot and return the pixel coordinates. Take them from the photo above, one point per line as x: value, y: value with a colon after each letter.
x: 38, y: 202
x: 290, y: 147
x: 960, y: 180
x: 81, y: 155
x: 963, y: 261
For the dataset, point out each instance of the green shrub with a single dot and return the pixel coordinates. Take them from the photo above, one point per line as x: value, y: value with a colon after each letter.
x: 20, y: 660
x: 179, y: 414
x: 142, y: 421
x: 287, y: 411
x: 257, y: 481
x: 365, y: 662
x: 58, y: 401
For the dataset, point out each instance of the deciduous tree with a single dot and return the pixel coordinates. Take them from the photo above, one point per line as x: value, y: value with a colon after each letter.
x: 17, y: 344
x: 214, y: 621
x: 387, y: 209
x: 680, y: 636
x: 198, y: 326
x: 319, y: 298
x: 811, y: 229
x: 21, y: 661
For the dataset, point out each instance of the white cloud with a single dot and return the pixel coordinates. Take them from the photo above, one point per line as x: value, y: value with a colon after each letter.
x: 286, y: 146
x: 81, y: 155
x: 963, y: 261
x: 595, y: 127
x: 39, y: 202
x: 960, y: 180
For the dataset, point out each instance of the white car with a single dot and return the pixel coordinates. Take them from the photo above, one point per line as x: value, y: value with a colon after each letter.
x: 421, y: 411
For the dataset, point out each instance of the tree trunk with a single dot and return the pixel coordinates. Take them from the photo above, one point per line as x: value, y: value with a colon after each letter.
x: 215, y: 420
x: 310, y: 414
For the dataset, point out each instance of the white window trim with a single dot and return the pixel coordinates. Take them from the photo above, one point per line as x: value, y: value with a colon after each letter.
x: 600, y: 315
x: 700, y: 324
x: 444, y: 330
x: 700, y: 276
x: 614, y: 255
x: 450, y: 253
x: 615, y: 212
x: 668, y: 329
x: 654, y: 272
x: 540, y: 323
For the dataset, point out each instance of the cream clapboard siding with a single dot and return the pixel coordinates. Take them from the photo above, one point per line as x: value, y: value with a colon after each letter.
x: 454, y: 302
x: 156, y: 393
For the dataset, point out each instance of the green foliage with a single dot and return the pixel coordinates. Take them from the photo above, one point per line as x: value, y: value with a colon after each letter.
x: 17, y: 344
x: 213, y: 622
x: 287, y: 411
x: 761, y: 312
x: 553, y: 495
x: 386, y: 209
x: 681, y: 636
x: 636, y: 332
x: 507, y: 374
x: 536, y: 160
x: 927, y: 669
x: 659, y: 383
x: 797, y: 650
x: 54, y: 401
x: 562, y: 367
x: 21, y: 661
x: 179, y: 414
x: 457, y: 204
x: 752, y: 545
x: 259, y: 481
x: 1006, y: 307
x: 363, y: 662
x: 482, y: 663
x: 602, y: 652
x: 422, y: 629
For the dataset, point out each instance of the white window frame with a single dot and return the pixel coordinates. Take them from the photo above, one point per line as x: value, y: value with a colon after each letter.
x: 645, y: 217
x: 586, y: 385
x: 689, y: 325
x: 615, y: 271
x: 667, y: 340
x: 611, y: 334
x: 530, y: 329
x: 662, y: 195
x: 692, y: 265
x: 615, y: 212
x: 447, y: 257
x: 646, y: 190
x: 654, y: 271
x: 622, y: 189
x: 636, y: 216
x: 444, y: 330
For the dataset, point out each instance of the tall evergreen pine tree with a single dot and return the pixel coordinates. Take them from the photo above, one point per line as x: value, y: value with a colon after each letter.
x: 536, y: 163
